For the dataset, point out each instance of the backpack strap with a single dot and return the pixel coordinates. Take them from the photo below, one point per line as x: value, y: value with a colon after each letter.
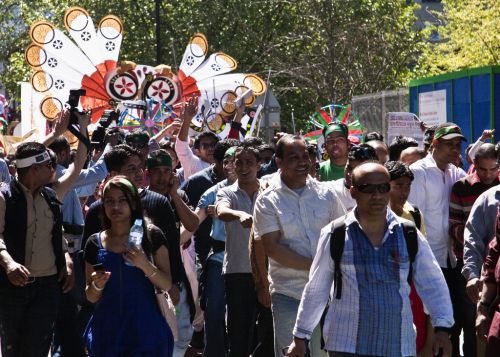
x: 337, y: 240
x: 417, y: 216
x: 411, y: 238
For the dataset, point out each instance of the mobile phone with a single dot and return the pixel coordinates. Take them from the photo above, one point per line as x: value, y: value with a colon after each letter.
x: 98, y: 267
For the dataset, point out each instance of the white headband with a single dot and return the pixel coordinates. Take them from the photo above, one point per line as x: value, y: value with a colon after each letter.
x: 36, y: 159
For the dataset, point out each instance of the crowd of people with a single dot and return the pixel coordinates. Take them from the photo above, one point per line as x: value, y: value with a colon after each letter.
x: 383, y: 249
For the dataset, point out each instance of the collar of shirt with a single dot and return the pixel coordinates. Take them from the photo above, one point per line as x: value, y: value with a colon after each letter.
x: 391, y: 220
x: 280, y: 185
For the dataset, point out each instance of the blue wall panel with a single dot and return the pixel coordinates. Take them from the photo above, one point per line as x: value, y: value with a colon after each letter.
x: 448, y: 86
x: 480, y: 104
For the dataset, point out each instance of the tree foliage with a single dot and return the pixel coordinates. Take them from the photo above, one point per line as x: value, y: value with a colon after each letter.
x: 470, y: 37
x: 316, y: 51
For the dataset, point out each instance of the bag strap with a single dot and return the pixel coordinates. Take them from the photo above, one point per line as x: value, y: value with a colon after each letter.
x: 417, y: 216
x: 411, y: 238
x: 337, y: 240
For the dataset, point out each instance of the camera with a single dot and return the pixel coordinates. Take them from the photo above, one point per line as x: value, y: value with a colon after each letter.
x: 99, y: 133
x: 73, y: 101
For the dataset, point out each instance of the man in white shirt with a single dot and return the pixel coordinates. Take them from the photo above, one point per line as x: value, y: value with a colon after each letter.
x: 430, y: 192
x: 204, y: 144
x: 288, y: 218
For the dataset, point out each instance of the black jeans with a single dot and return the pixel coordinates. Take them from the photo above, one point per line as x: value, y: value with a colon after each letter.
x: 27, y: 316
x: 241, y: 302
x: 464, y: 312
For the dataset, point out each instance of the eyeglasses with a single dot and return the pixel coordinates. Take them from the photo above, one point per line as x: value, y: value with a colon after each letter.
x: 372, y: 187
x: 51, y: 165
x: 206, y: 146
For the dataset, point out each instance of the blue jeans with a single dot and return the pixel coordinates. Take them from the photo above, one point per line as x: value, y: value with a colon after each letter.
x: 285, y: 310
x: 241, y: 303
x: 215, y: 311
x: 27, y: 317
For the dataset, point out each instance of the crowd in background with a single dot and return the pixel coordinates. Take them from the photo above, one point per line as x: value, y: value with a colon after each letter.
x: 241, y: 238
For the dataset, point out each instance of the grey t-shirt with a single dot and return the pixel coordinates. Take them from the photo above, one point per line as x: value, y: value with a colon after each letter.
x: 236, y: 259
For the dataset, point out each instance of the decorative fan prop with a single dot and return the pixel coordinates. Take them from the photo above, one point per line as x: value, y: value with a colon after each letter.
x: 151, y: 96
x: 335, y: 112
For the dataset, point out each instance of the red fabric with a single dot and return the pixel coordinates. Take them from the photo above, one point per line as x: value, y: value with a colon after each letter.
x: 419, y: 318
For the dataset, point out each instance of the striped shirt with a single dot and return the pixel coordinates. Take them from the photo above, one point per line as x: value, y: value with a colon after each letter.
x: 373, y: 316
x: 463, y: 195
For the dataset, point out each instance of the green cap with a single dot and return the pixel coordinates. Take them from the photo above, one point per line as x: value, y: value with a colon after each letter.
x: 335, y: 127
x: 448, y: 131
x: 230, y: 152
x: 158, y: 158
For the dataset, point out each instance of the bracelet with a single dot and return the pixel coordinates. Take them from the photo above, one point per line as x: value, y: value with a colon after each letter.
x: 96, y: 287
x: 155, y: 271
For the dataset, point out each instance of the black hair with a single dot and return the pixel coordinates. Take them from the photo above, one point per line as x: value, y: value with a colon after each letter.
x: 397, y: 169
x: 266, y: 147
x: 398, y: 144
x: 312, y: 149
x: 485, y: 151
x: 136, y: 135
x: 118, y: 157
x: 59, y: 145
x: 205, y: 134
x: 253, y: 141
x: 362, y: 152
x: 374, y: 136
x: 248, y: 146
x: 221, y: 148
x: 286, y: 139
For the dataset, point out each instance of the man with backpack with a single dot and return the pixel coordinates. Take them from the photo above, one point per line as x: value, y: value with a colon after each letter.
x: 367, y: 257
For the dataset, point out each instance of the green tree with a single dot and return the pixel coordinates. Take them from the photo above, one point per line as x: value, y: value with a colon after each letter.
x: 470, y: 37
x: 317, y: 51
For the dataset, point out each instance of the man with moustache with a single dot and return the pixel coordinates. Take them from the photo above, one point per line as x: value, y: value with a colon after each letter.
x: 374, y: 268
x: 288, y: 217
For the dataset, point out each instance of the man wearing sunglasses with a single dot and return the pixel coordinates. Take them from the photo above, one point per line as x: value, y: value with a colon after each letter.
x: 373, y: 308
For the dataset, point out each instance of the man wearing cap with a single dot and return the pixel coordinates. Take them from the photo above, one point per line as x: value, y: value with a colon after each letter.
x: 163, y: 181
x: 36, y: 265
x: 337, y: 147
x: 430, y: 192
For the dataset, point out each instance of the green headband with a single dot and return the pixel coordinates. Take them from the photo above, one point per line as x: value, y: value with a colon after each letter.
x: 158, y: 160
x: 230, y: 152
x: 121, y: 180
x: 335, y: 127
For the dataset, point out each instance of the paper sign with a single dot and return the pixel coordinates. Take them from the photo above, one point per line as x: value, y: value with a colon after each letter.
x: 405, y: 124
x: 432, y: 107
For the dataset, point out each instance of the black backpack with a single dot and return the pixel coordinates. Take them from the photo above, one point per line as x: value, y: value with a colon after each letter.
x: 337, y: 240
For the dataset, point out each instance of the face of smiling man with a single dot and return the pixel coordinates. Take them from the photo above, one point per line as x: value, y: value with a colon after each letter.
x: 295, y: 163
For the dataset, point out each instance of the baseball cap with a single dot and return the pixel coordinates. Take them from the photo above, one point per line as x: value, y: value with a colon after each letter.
x: 335, y: 127
x: 448, y: 131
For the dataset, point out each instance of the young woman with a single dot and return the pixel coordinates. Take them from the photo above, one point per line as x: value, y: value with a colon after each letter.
x: 127, y: 320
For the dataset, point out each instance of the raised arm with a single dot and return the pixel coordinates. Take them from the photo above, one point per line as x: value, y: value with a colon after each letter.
x: 66, y: 181
x: 60, y: 126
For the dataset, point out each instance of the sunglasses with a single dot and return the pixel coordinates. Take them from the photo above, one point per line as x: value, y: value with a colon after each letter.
x: 372, y: 188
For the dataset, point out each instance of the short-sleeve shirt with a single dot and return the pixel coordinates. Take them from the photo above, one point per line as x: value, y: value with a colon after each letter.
x: 237, y: 258
x: 299, y: 220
